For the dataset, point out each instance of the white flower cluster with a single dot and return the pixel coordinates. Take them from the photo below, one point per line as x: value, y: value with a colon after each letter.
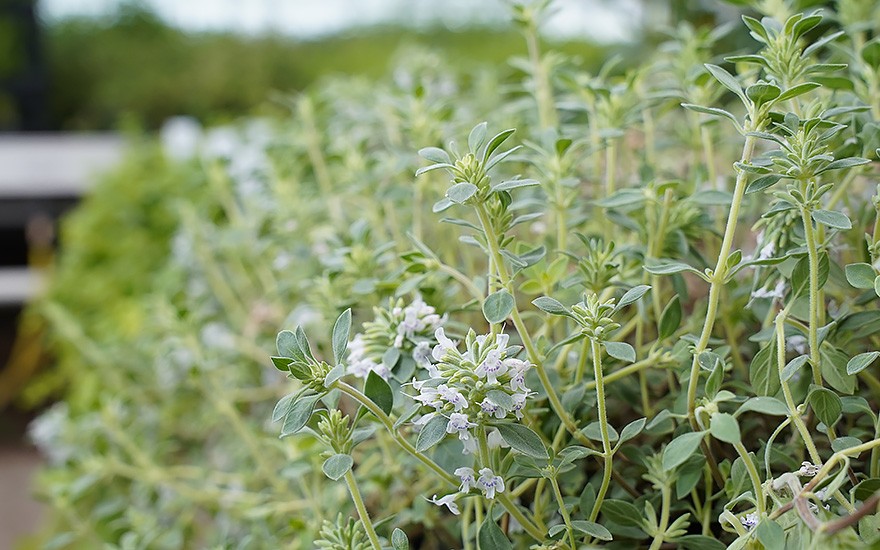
x: 405, y: 328
x: 487, y: 482
x: 485, y: 382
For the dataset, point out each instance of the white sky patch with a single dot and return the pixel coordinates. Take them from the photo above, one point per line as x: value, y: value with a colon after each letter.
x: 598, y: 20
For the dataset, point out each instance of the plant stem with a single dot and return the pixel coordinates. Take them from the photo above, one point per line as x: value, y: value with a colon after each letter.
x: 610, y: 167
x: 793, y: 413
x: 718, y: 276
x: 603, y: 429
x: 563, y: 511
x: 709, y: 155
x: 664, y: 518
x: 813, y: 333
x: 462, y: 279
x: 543, y: 91
x: 717, y: 282
x: 531, y: 351
x: 753, y: 475
x: 362, y: 510
x: 465, y: 525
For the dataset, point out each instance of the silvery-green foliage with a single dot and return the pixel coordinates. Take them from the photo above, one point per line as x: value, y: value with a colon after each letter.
x: 633, y: 307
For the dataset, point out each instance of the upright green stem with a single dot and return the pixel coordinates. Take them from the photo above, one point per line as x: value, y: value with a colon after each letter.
x: 718, y: 276
x: 664, y: 518
x: 362, y: 510
x: 650, y: 147
x: 531, y: 351
x: 466, y: 524
x: 793, y: 412
x: 543, y: 91
x: 610, y: 167
x: 813, y: 332
x: 753, y: 475
x: 561, y: 218
x: 563, y: 511
x: 319, y: 163
x: 528, y: 343
x: 603, y: 429
x: 709, y: 155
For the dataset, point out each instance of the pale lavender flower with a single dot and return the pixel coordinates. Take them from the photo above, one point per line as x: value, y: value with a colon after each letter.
x: 359, y: 364
x: 452, y: 395
x: 459, y: 424
x: 749, y: 521
x: 492, y: 367
x: 518, y: 369
x: 422, y: 354
x: 519, y: 402
x: 468, y: 479
x: 490, y: 483
x: 428, y: 395
x: 492, y: 409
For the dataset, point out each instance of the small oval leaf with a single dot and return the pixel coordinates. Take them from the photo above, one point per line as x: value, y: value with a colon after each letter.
x: 498, y: 306
x: 337, y: 465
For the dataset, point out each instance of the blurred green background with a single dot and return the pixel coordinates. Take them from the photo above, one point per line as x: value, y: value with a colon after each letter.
x: 129, y: 67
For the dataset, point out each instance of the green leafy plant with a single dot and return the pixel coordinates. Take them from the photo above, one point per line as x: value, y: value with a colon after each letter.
x: 588, y: 330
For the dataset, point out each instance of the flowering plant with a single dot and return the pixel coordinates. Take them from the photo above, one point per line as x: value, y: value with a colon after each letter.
x: 651, y: 323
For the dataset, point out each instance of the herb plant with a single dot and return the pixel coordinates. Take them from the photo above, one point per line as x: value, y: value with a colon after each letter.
x: 645, y: 317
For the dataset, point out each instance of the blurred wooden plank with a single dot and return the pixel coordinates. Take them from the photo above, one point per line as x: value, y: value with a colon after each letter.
x: 19, y: 284
x: 52, y: 165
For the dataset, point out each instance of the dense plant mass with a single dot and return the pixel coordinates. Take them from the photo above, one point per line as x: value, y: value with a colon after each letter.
x: 646, y: 317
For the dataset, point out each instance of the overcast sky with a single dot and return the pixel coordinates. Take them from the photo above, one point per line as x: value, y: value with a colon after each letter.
x: 602, y: 21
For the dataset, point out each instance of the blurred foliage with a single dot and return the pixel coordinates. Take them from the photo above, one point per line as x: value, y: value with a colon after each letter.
x: 132, y: 64
x: 123, y: 228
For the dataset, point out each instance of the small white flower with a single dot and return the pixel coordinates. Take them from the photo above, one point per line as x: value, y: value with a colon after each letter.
x: 493, y: 409
x: 519, y: 402
x: 363, y: 367
x: 490, y: 483
x: 459, y: 423
x: 421, y: 354
x: 749, y: 521
x: 518, y: 369
x: 428, y: 395
x: 808, y: 469
x: 468, y: 479
x: 453, y: 396
x: 448, y: 501
x: 359, y: 364
x: 492, y: 367
x: 444, y: 344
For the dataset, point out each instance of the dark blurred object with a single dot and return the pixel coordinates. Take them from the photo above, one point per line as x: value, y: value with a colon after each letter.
x: 23, y: 77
